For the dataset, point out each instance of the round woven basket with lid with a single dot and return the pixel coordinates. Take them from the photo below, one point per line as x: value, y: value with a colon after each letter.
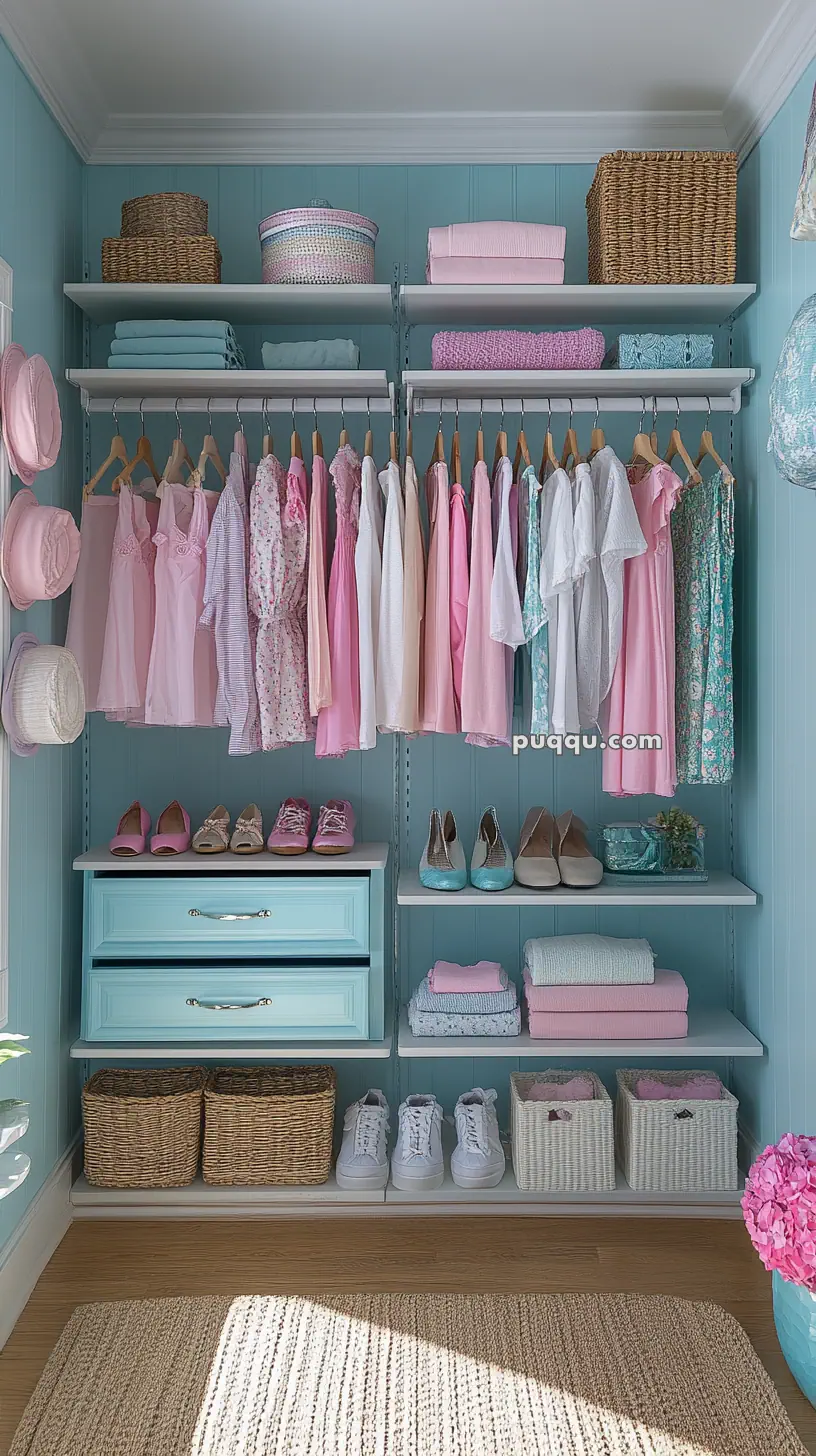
x: 317, y: 244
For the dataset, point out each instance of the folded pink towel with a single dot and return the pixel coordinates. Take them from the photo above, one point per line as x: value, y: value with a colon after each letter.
x: 607, y: 1025
x: 696, y: 1089
x: 514, y: 349
x: 494, y: 270
x: 579, y: 1089
x: 497, y: 240
x: 484, y: 976
x: 667, y: 992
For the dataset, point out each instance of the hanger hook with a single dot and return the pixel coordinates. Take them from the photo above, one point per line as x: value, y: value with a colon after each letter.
x: 209, y: 413
x: 115, y: 415
x: 141, y: 416
x: 654, y: 414
x: 456, y: 416
x: 266, y: 415
x: 342, y: 414
x: 501, y: 422
x: 571, y: 413
x: 549, y: 415
x: 597, y: 413
x: 521, y: 412
x: 314, y: 412
x: 238, y: 414
x: 294, y: 421
x: 439, y: 426
x: 642, y: 413
x: 179, y: 435
x: 677, y: 414
x: 481, y: 412
x: 368, y: 411
x: 708, y: 416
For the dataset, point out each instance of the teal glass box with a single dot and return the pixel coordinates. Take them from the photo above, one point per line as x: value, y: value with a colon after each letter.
x: 633, y: 849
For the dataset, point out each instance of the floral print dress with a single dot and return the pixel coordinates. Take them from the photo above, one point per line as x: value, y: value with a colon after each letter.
x: 703, y: 541
x: 533, y: 616
x: 277, y: 597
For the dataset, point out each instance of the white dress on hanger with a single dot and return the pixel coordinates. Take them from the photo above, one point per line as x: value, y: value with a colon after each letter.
x: 587, y: 598
x: 556, y: 581
x: 391, y: 641
x: 505, y: 606
x: 368, y: 575
x: 618, y: 538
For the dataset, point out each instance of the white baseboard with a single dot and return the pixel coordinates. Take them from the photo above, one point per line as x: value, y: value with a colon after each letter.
x: 39, y: 1232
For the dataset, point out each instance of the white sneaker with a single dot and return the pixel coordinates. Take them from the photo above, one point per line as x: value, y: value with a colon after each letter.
x: 417, y: 1162
x: 477, y: 1161
x: 363, y: 1159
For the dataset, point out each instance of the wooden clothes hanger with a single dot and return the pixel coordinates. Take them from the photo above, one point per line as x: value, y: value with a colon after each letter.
x: 344, y: 435
x: 478, y: 454
x: 708, y: 448
x: 642, y: 449
x: 676, y: 447
x: 118, y: 451
x: 501, y: 440
x: 268, y: 446
x: 548, y: 455
x: 522, y: 448
x: 295, y: 447
x: 317, y: 438
x: 210, y: 452
x: 178, y: 458
x: 368, y: 448
x: 143, y: 456
x: 456, y: 452
x: 571, y: 449
x: 439, y: 443
x: 598, y: 439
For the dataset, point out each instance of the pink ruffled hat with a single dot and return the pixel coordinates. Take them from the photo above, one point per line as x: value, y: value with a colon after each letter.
x: 30, y: 413
x: 39, y: 550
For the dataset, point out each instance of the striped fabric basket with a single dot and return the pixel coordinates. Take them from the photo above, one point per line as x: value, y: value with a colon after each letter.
x: 572, y: 1152
x: 676, y: 1146
x: 317, y: 244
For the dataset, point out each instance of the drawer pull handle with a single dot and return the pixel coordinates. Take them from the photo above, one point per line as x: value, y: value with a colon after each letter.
x: 251, y: 915
x: 228, y: 1006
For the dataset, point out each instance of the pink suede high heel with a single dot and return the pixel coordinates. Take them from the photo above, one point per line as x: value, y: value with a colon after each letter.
x: 172, y: 831
x: 132, y: 831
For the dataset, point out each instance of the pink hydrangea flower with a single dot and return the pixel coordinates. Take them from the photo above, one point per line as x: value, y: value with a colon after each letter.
x: 779, y: 1206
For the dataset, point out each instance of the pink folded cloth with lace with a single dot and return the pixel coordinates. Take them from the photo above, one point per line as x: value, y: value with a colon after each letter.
x: 483, y: 976
x: 607, y: 1025
x: 497, y: 240
x: 578, y: 1089
x: 696, y: 1089
x: 514, y: 349
x: 667, y: 992
x: 495, y: 270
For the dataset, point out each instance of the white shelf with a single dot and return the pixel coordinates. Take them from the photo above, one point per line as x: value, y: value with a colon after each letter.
x: 710, y: 1034
x: 507, y: 1197
x: 204, y: 1200
x: 720, y: 889
x: 231, y: 1051
x: 237, y: 303
x: 614, y: 390
x: 574, y: 303
x: 361, y: 857
x: 14, y: 1169
x: 194, y: 388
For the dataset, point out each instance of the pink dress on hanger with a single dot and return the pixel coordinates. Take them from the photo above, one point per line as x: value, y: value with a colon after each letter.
x: 89, y: 594
x: 320, y: 684
x: 459, y: 587
x: 181, y: 676
x: 131, y: 609
x: 338, y: 725
x: 485, y: 716
x: 438, y: 701
x: 277, y: 596
x: 641, y: 699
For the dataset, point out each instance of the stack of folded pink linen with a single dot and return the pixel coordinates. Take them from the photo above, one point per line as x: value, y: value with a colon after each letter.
x: 596, y: 988
x: 496, y: 252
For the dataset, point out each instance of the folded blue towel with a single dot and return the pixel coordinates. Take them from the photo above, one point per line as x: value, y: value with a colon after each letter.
x: 312, y: 354
x: 436, y: 1023
x: 171, y: 361
x: 174, y: 328
x: 473, y: 1003
x: 189, y: 344
x: 662, y: 351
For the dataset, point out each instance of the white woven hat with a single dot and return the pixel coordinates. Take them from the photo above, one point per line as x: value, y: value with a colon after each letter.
x: 43, y: 695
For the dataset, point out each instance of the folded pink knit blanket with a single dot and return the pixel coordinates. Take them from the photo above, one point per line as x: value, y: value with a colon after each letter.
x: 578, y: 1089
x: 497, y: 240
x: 483, y: 976
x: 514, y: 349
x: 696, y: 1089
x: 495, y: 270
x: 667, y: 992
x: 608, y: 1025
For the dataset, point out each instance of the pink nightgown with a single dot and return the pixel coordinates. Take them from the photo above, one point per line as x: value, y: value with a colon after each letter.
x: 131, y: 609
x: 485, y: 716
x: 438, y: 702
x: 320, y: 686
x: 181, y: 678
x: 459, y: 586
x: 338, y: 725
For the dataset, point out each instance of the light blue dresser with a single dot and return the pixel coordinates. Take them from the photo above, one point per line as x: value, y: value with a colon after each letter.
x: 188, y: 949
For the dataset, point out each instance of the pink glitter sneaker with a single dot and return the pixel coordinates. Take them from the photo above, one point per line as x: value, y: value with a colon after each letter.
x: 290, y: 833
x: 335, y: 828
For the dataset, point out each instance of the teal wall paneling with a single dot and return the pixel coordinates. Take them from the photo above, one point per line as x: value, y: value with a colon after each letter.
x: 41, y: 238
x: 775, y: 786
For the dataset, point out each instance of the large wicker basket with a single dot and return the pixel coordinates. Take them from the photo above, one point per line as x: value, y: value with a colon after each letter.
x: 164, y: 215
x: 676, y: 1146
x: 663, y: 217
x: 317, y: 244
x: 143, y: 1127
x: 269, y: 1125
x: 574, y: 1151
x: 161, y: 260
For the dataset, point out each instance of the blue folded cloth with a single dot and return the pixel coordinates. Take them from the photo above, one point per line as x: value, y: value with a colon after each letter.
x: 312, y: 354
x: 171, y: 361
x: 436, y: 1023
x: 173, y: 328
x: 184, y: 344
x: 473, y: 1003
x: 662, y: 351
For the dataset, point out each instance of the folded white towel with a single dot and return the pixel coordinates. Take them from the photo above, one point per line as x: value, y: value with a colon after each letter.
x: 589, y: 960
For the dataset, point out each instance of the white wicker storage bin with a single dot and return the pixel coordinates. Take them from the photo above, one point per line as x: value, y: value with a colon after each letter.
x: 676, y: 1146
x: 565, y: 1154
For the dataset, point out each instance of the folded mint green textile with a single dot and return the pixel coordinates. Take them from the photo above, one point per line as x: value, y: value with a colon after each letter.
x: 173, y: 328
x: 312, y: 354
x: 171, y: 361
x: 188, y: 344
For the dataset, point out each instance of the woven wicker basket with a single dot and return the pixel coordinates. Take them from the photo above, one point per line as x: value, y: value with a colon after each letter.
x: 317, y: 244
x: 270, y: 1125
x: 572, y: 1153
x: 663, y: 217
x: 143, y: 1127
x: 161, y: 260
x: 675, y: 1146
x: 164, y: 215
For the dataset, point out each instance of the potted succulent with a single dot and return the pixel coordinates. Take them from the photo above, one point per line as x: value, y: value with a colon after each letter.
x: 779, y: 1205
x: 684, y: 839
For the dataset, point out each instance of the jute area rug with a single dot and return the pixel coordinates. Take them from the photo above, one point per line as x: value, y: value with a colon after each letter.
x: 405, y: 1375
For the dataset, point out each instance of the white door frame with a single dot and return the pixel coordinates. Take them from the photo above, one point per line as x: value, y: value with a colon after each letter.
x: 6, y: 279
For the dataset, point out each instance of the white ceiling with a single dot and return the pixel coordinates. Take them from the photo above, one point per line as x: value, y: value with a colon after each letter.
x: 369, y: 80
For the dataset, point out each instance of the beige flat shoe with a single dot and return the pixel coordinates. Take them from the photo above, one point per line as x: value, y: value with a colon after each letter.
x: 535, y: 864
x: 579, y: 868
x: 213, y: 836
x: 247, y: 836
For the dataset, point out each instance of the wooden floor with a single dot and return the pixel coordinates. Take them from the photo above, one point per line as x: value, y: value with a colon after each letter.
x: 120, y: 1260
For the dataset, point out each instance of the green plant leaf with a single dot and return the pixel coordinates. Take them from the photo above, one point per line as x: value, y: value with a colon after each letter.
x: 10, y: 1046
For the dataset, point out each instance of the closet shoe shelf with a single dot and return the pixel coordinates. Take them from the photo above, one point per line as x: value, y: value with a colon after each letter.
x: 610, y: 390
x: 719, y: 889
x: 712, y: 1033
x: 504, y: 304
x: 361, y: 857
x: 237, y: 303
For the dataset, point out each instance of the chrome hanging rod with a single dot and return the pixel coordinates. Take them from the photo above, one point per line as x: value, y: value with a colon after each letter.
x: 542, y: 404
x: 227, y: 405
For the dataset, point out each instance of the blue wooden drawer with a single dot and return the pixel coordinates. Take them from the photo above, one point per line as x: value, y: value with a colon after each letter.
x: 172, y: 918
x: 153, y: 1003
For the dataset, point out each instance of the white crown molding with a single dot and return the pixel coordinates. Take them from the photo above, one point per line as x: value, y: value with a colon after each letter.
x: 51, y: 57
x: 779, y: 61
x: 399, y: 139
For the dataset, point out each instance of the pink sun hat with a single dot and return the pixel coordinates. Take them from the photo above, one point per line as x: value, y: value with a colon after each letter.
x: 29, y: 413
x: 39, y: 550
